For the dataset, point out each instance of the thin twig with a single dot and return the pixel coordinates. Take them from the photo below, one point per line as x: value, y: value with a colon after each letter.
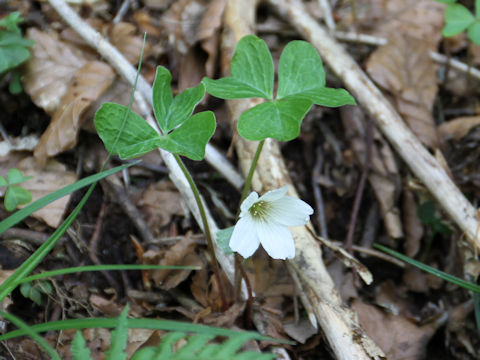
x: 317, y: 193
x: 361, y: 186
x: 327, y: 14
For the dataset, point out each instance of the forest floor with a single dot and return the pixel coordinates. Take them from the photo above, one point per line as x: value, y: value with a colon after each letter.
x: 362, y: 188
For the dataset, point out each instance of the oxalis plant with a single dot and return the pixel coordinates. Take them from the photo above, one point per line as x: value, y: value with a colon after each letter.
x: 301, y: 83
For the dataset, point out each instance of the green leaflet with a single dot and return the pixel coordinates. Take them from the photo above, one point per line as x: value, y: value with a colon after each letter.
x: 301, y: 83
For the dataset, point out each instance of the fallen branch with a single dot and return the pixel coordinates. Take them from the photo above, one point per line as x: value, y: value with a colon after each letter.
x: 420, y: 161
x: 322, y: 300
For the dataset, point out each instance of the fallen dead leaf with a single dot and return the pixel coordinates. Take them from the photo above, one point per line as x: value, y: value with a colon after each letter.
x: 48, y: 72
x: 122, y: 36
x: 159, y: 202
x: 300, y: 331
x: 182, y: 253
x: 459, y: 127
x: 181, y: 22
x: 46, y: 180
x: 108, y: 307
x: 404, y: 68
x: 88, y: 84
x: 209, y: 33
x: 395, y: 335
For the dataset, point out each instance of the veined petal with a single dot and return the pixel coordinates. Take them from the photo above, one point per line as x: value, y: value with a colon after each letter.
x: 273, y: 195
x: 247, y: 203
x: 277, y: 240
x: 290, y: 211
x: 244, y: 238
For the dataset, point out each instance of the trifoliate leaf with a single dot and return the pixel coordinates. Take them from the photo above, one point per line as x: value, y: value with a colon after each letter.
x: 280, y: 119
x: 182, y: 107
x: 15, y: 176
x: 191, y: 138
x: 301, y: 74
x: 162, y: 96
x: 458, y: 18
x: 16, y: 196
x: 119, y: 132
x: 252, y: 72
x: 474, y: 32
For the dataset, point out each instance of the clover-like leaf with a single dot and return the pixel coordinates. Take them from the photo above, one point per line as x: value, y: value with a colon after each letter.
x: 252, y: 72
x: 279, y: 119
x: 474, y: 32
x: 162, y: 95
x: 120, y: 130
x: 16, y: 196
x: 458, y: 18
x: 301, y: 74
x: 171, y: 112
x: 3, y: 182
x: 191, y: 137
x: 15, y: 176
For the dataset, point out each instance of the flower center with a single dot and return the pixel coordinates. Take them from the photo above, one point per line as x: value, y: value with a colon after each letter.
x: 259, y: 210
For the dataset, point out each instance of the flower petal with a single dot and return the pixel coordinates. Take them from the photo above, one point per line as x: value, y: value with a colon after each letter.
x: 244, y: 238
x: 276, y: 239
x: 273, y: 195
x: 290, y: 211
x: 247, y: 203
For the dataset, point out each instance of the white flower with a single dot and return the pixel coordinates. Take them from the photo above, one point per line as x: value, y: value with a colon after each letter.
x: 265, y: 221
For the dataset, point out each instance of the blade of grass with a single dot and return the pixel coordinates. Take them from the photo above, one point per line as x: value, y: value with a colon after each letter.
x: 153, y: 324
x: 27, y: 267
x: 438, y: 273
x: 103, y: 267
x: 32, y: 333
x: 26, y: 211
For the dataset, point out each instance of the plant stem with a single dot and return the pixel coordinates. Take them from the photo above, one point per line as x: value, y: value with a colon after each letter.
x: 253, y: 166
x: 206, y: 228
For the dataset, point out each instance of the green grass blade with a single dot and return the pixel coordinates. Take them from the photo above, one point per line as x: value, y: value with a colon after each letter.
x: 26, y: 211
x: 104, y: 267
x: 438, y: 273
x: 32, y: 333
x: 27, y: 267
x: 154, y: 324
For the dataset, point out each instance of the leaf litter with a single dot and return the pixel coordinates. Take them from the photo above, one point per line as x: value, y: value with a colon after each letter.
x: 403, y: 310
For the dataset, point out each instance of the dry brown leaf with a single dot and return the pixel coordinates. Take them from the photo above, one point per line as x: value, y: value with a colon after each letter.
x: 122, y: 36
x: 396, y: 336
x: 419, y: 19
x: 181, y: 22
x: 108, y: 307
x: 182, y: 253
x: 88, y: 84
x: 192, y: 68
x: 209, y: 33
x: 159, y: 202
x: 459, y: 127
x: 46, y: 180
x: 300, y: 331
x: 404, y: 68
x: 48, y: 72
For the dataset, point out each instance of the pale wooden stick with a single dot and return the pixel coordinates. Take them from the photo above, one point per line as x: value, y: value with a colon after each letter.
x: 339, y: 324
x: 420, y: 161
x: 435, y: 56
x: 123, y: 67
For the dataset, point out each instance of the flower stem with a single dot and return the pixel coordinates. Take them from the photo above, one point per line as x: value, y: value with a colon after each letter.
x: 206, y: 228
x: 253, y: 166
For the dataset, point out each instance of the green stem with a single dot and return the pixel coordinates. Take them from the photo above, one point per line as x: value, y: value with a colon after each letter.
x: 253, y: 166
x: 206, y: 227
